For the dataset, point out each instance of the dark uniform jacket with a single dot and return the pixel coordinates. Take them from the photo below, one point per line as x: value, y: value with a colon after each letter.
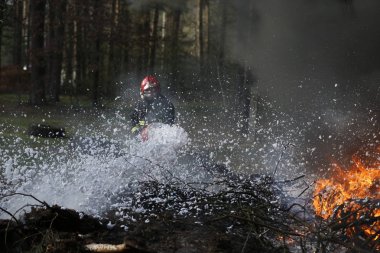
x: 160, y: 110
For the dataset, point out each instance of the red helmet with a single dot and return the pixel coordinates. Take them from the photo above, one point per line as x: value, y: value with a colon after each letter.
x: 149, y: 82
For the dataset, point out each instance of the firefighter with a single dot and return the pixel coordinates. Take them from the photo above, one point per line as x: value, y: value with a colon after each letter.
x: 152, y: 108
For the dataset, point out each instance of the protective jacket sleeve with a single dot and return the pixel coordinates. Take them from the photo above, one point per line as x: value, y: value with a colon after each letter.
x: 137, y: 118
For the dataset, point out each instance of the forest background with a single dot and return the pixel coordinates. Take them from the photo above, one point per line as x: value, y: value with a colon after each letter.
x: 241, y: 62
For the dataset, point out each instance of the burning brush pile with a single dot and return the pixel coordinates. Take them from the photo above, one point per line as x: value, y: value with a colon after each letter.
x: 348, y: 204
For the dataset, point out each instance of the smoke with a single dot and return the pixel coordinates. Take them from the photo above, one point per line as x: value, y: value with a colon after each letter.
x: 317, y: 63
x: 300, y: 49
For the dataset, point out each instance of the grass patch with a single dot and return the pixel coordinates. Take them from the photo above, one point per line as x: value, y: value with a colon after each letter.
x: 13, y: 99
x: 16, y: 117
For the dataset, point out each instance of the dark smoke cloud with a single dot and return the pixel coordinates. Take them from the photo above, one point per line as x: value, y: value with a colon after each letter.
x: 308, y: 52
x: 318, y: 63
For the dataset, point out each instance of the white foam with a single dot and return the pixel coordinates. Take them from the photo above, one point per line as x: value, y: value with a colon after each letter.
x: 85, y: 178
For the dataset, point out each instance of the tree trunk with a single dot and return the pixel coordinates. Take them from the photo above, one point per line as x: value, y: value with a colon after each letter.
x: 28, y: 32
x: 125, y: 37
x: 58, y: 56
x: 68, y: 49
x: 207, y: 30
x: 152, y: 57
x: 50, y: 44
x: 17, y: 34
x: 201, y: 36
x: 37, y: 12
x: 57, y: 11
x: 81, y: 40
x: 112, y: 72
x: 143, y: 45
x: 163, y: 41
x: 17, y: 48
x: 146, y: 46
x: 95, y: 87
x: 222, y: 37
x: 2, y: 17
x: 171, y: 54
x: 97, y: 59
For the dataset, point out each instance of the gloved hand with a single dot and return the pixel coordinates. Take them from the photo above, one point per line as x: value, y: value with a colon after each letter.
x: 138, y: 128
x: 144, y: 133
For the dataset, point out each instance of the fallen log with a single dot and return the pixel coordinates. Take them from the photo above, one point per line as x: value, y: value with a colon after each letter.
x: 128, y: 246
x: 105, y: 248
x: 46, y: 131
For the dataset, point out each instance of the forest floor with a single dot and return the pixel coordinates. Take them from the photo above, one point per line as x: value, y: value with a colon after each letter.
x: 45, y: 231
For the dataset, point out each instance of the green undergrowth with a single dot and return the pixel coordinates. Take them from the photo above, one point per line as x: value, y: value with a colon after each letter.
x: 17, y: 115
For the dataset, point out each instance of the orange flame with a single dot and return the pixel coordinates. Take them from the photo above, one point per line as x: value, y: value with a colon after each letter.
x: 345, y: 188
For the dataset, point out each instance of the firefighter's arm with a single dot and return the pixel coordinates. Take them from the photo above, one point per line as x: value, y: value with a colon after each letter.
x: 138, y: 127
x: 136, y: 122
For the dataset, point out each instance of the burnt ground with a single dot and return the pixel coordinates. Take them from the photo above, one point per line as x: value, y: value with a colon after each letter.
x: 45, y: 231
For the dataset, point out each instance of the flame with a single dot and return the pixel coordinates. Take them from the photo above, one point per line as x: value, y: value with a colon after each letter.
x: 348, y: 192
